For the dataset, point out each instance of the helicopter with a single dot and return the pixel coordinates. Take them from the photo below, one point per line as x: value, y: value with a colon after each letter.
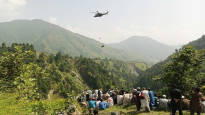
x: 99, y: 14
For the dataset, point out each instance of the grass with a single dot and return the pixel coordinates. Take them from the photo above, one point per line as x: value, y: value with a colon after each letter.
x: 131, y: 110
x: 10, y: 106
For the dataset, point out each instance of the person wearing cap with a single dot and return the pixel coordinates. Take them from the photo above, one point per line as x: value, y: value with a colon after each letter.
x: 163, y: 103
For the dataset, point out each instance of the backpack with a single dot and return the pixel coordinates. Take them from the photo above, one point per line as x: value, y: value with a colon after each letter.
x: 142, y: 95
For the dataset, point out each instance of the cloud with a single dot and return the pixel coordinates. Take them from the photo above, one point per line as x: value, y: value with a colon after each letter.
x: 9, y: 9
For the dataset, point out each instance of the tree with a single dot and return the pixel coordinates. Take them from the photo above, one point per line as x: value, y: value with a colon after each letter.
x: 183, y: 69
x: 10, y: 64
x: 31, y: 82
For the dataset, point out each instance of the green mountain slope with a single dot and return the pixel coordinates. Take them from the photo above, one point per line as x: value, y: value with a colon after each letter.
x: 146, y: 78
x: 145, y: 47
x: 51, y: 38
x: 199, y: 44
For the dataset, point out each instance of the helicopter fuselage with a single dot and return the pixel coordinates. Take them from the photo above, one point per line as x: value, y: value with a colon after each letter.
x: 100, y: 14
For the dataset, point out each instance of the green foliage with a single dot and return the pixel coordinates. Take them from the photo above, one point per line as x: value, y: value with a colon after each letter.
x: 39, y: 108
x: 183, y: 69
x: 34, y: 77
x: 32, y: 83
x: 10, y: 66
x: 11, y: 106
x: 148, y: 78
x: 107, y: 73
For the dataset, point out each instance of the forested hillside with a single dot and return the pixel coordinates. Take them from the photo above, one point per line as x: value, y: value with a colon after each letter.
x: 29, y: 75
x: 199, y: 44
x: 50, y: 38
x: 150, y: 78
x: 63, y: 73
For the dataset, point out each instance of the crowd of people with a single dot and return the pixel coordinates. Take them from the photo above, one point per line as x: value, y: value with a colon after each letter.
x: 98, y: 100
x: 144, y: 99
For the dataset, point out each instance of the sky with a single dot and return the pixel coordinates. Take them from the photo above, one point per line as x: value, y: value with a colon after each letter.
x: 173, y: 22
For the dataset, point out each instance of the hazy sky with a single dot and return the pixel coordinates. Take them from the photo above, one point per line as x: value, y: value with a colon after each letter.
x: 168, y: 21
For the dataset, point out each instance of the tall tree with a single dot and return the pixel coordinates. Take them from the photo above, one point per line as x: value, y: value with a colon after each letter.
x: 183, y: 69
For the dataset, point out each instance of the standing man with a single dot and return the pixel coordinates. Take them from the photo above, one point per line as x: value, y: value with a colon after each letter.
x: 99, y: 94
x: 136, y: 98
x: 145, y: 100
x: 176, y: 100
x: 152, y: 100
x: 195, y: 103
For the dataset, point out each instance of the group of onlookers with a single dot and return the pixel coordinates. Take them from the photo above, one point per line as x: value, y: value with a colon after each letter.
x: 98, y: 100
x: 145, y: 100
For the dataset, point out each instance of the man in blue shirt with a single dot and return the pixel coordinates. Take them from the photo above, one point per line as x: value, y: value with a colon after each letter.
x: 152, y: 100
x: 103, y: 105
x: 91, y: 105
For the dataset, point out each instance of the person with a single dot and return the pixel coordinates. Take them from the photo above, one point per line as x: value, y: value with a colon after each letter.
x: 91, y: 105
x: 90, y: 94
x: 136, y: 98
x: 152, y: 99
x: 114, y: 97
x: 176, y: 100
x: 145, y: 100
x: 99, y: 94
x: 163, y: 103
x: 95, y: 94
x: 138, y: 102
x: 195, y: 103
x: 122, y: 91
x: 110, y: 101
x: 97, y: 103
x: 87, y: 97
x: 102, y: 105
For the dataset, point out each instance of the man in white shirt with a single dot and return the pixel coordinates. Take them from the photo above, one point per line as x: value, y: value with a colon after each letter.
x: 145, y: 100
x: 163, y: 103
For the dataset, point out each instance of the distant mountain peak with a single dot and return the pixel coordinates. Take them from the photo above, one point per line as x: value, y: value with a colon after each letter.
x: 51, y: 38
x: 147, y: 47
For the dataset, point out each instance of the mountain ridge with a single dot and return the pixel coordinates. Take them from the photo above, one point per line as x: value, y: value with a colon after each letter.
x: 52, y: 38
x: 146, y: 47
